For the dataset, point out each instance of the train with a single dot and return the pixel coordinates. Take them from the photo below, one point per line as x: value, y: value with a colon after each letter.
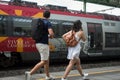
x: 16, y: 44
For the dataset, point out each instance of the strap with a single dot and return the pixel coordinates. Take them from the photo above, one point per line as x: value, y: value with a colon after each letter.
x: 74, y: 35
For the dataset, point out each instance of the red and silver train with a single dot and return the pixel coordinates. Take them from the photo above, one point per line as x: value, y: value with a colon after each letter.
x: 16, y: 45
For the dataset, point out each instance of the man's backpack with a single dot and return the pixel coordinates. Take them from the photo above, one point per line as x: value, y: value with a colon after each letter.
x: 37, y: 29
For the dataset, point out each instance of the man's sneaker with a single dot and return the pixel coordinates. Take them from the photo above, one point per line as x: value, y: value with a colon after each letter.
x: 84, y: 75
x: 50, y: 78
x: 27, y: 75
x: 63, y: 79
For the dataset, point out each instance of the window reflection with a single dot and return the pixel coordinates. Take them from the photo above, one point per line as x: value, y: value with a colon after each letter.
x: 55, y: 27
x: 66, y: 26
x: 22, y: 26
x: 3, y: 25
x: 60, y: 27
x: 112, y: 39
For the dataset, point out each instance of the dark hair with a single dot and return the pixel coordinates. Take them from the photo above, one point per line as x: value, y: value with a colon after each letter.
x: 77, y: 25
x: 46, y: 14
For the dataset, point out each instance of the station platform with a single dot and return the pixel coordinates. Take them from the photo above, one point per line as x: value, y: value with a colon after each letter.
x: 103, y: 73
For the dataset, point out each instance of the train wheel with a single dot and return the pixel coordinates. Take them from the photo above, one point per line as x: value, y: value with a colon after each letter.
x: 15, y: 59
x: 6, y: 61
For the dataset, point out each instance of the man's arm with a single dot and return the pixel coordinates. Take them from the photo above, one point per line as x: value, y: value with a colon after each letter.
x: 51, y: 33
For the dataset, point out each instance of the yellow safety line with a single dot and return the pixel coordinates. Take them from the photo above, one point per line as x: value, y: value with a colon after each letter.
x: 105, y: 71
x: 91, y: 73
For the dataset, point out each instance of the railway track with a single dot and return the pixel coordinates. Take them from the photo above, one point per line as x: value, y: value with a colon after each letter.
x: 20, y: 69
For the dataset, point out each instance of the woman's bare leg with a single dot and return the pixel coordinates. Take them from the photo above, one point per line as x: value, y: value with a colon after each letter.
x: 69, y: 67
x: 78, y: 65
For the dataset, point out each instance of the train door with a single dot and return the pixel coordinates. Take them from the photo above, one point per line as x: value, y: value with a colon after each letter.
x: 95, y: 37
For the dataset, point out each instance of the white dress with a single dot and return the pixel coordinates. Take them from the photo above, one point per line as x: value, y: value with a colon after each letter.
x: 74, y: 52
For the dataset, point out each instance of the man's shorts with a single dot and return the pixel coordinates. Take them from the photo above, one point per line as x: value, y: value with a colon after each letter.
x: 43, y: 49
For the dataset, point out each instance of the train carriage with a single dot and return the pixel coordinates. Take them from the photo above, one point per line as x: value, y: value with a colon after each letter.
x: 102, y: 33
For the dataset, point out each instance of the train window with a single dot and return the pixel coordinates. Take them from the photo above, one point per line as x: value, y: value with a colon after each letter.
x: 22, y: 26
x: 118, y: 40
x: 112, y: 39
x: 65, y: 27
x: 113, y: 24
x: 60, y: 27
x: 3, y: 25
x: 55, y: 27
x: 106, y: 23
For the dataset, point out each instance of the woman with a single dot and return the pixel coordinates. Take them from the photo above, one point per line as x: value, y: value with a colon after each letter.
x: 74, y: 52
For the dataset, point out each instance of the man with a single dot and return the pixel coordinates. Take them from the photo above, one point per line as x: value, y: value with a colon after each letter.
x: 43, y: 48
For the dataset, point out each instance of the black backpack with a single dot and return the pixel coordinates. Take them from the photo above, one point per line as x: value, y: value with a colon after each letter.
x: 37, y: 29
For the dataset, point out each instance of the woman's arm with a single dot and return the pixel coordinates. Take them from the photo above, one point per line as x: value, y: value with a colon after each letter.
x: 82, y: 36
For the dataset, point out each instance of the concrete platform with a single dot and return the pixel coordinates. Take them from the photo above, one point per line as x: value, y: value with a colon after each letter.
x: 104, y: 73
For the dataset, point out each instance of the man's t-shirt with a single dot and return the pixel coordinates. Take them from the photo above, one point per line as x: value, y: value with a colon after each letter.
x: 44, y: 39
